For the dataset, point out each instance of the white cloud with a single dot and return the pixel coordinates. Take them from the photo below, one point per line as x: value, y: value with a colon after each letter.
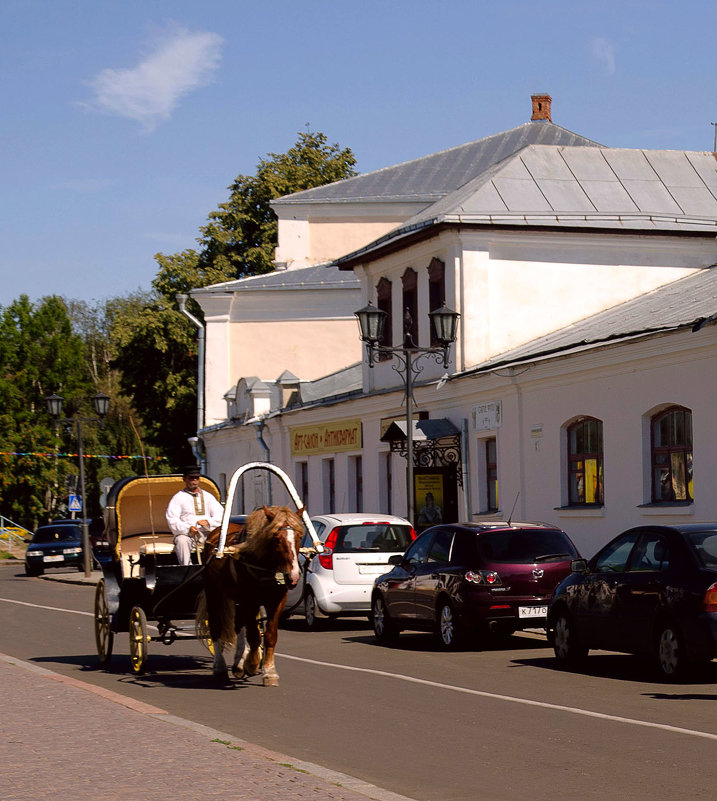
x: 604, y: 52
x: 181, y: 62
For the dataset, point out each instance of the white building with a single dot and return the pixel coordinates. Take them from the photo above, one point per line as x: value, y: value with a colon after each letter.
x: 577, y: 390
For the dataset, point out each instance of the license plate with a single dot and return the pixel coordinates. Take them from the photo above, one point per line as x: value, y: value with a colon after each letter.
x: 372, y: 570
x: 532, y: 611
x: 59, y: 558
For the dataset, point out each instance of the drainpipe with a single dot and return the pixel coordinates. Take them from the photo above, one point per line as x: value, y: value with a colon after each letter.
x: 260, y: 436
x: 182, y: 303
x: 467, y: 514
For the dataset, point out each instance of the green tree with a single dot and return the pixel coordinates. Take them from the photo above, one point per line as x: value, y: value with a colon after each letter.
x: 156, y: 345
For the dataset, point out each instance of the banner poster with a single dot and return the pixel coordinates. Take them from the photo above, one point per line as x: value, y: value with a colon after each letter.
x: 429, y: 498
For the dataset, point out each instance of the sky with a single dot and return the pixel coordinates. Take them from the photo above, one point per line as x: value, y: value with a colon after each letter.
x: 123, y: 123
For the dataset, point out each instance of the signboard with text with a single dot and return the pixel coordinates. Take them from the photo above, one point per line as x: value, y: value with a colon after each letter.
x: 343, y: 435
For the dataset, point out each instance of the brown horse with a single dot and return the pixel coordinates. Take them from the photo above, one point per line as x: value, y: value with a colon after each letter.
x: 258, y: 567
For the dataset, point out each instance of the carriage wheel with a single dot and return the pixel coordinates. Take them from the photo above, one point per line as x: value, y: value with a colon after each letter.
x: 104, y: 636
x: 138, y: 638
x: 203, y: 634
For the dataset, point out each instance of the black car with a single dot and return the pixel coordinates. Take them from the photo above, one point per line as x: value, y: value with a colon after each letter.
x: 651, y: 591
x: 54, y: 545
x: 468, y: 578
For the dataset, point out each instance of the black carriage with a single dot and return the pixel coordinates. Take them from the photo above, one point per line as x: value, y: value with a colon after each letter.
x: 142, y: 582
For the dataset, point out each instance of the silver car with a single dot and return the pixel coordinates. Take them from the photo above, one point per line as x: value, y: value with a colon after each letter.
x: 338, y: 582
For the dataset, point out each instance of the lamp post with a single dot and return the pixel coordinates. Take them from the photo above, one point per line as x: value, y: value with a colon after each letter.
x: 101, y: 404
x: 371, y: 323
x: 182, y: 304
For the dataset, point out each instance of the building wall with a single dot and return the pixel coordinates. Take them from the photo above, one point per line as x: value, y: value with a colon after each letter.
x: 620, y: 385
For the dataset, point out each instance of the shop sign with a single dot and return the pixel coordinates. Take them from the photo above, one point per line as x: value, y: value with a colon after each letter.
x: 343, y: 435
x: 486, y: 416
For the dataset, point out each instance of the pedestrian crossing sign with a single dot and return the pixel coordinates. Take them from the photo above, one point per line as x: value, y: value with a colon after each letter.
x: 75, y: 503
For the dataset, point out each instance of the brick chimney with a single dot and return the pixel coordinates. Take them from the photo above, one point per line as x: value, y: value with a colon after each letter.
x: 541, y: 107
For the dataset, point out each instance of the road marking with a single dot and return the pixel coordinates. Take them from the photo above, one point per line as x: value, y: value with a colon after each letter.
x: 51, y: 608
x: 495, y: 696
x: 466, y: 690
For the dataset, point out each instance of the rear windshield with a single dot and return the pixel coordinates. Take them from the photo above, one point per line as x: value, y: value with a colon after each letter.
x: 526, y: 546
x: 56, y: 534
x: 705, y: 546
x: 375, y: 537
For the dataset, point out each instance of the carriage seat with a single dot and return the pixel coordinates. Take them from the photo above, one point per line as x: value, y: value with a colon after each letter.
x: 156, y: 548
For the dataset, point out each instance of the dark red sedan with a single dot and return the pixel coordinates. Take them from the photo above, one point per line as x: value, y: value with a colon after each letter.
x: 468, y: 578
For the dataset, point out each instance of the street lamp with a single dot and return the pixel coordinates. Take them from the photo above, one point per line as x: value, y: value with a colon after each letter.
x: 371, y: 323
x: 101, y: 405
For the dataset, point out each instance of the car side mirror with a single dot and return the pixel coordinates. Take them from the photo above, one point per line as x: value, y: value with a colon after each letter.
x: 579, y: 566
x: 396, y: 559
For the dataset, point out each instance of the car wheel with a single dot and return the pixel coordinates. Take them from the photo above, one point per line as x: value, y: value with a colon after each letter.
x: 31, y: 571
x: 384, y: 628
x: 447, y: 626
x: 670, y: 657
x: 312, y: 613
x: 566, y: 642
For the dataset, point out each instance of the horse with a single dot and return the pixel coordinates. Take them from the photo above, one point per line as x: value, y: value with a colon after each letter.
x: 259, y: 565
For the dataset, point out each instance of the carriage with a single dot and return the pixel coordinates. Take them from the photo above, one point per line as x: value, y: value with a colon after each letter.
x: 142, y: 583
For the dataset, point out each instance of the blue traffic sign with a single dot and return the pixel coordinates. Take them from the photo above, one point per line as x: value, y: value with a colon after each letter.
x: 75, y: 504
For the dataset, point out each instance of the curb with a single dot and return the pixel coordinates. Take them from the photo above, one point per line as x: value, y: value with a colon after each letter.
x: 330, y: 776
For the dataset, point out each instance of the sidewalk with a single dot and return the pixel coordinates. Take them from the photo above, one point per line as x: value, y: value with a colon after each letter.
x: 63, y: 738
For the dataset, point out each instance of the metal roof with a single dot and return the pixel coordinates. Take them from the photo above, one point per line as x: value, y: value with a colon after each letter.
x: 690, y: 302
x: 431, y: 177
x: 318, y: 276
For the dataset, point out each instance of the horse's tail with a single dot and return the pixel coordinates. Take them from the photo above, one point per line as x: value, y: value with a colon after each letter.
x: 224, y: 608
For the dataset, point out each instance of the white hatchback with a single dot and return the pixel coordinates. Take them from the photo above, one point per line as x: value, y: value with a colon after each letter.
x: 339, y: 581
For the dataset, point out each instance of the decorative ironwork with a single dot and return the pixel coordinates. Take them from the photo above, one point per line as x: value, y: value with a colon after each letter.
x: 444, y: 452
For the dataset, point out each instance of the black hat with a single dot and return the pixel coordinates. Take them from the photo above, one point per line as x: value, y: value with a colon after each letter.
x: 191, y: 470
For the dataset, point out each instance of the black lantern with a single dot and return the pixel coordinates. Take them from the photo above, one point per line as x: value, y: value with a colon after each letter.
x: 371, y: 322
x: 445, y: 323
x: 101, y: 403
x: 54, y: 404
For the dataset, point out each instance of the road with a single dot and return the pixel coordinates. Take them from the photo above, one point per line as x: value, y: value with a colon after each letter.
x: 501, y: 723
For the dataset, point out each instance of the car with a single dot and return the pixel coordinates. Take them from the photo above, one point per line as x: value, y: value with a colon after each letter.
x: 468, y: 579
x: 54, y: 545
x: 651, y: 591
x: 338, y: 582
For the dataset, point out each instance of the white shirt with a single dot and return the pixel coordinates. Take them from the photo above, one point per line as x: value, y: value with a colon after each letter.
x: 185, y: 509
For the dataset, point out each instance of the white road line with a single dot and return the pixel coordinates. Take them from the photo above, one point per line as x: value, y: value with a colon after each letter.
x: 466, y: 690
x: 495, y: 696
x: 51, y: 608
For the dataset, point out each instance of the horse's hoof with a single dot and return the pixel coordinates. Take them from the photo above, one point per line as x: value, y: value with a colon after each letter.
x: 271, y: 681
x: 221, y: 676
x: 238, y: 673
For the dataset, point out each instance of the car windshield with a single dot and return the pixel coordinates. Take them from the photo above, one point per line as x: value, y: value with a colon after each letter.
x: 525, y: 546
x: 376, y: 537
x: 56, y: 534
x: 705, y: 546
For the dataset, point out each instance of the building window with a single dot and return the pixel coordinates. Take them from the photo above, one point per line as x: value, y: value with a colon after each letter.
x: 672, y: 455
x: 329, y: 480
x: 491, y: 474
x: 436, y: 290
x: 302, y: 481
x: 585, y: 461
x: 356, y: 487
x: 410, y: 307
x: 383, y: 302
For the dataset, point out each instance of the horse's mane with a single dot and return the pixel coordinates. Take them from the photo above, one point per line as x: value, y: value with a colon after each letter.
x: 255, y: 536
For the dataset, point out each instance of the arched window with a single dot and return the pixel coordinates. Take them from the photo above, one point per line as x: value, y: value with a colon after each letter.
x: 585, y: 462
x: 410, y: 307
x: 383, y: 302
x: 672, y: 455
x: 436, y: 289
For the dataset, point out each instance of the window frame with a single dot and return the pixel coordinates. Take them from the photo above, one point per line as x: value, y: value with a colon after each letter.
x: 666, y: 467
x: 575, y: 473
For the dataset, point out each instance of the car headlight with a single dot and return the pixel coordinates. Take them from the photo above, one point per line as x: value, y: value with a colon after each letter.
x: 34, y: 553
x: 72, y: 550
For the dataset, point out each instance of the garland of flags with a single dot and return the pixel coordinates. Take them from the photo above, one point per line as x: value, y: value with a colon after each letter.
x: 52, y: 455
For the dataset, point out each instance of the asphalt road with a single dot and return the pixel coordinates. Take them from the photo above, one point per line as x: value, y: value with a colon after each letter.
x: 500, y: 723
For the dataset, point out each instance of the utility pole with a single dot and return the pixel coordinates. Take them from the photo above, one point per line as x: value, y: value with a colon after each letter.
x: 714, y: 125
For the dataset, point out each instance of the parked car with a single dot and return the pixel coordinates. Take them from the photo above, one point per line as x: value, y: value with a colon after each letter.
x: 650, y: 591
x: 468, y: 578
x: 338, y: 581
x: 54, y: 545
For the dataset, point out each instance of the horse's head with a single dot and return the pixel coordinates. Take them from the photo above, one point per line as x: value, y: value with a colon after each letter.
x: 274, y: 533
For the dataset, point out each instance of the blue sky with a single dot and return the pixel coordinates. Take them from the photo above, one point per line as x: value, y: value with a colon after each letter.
x: 123, y: 123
